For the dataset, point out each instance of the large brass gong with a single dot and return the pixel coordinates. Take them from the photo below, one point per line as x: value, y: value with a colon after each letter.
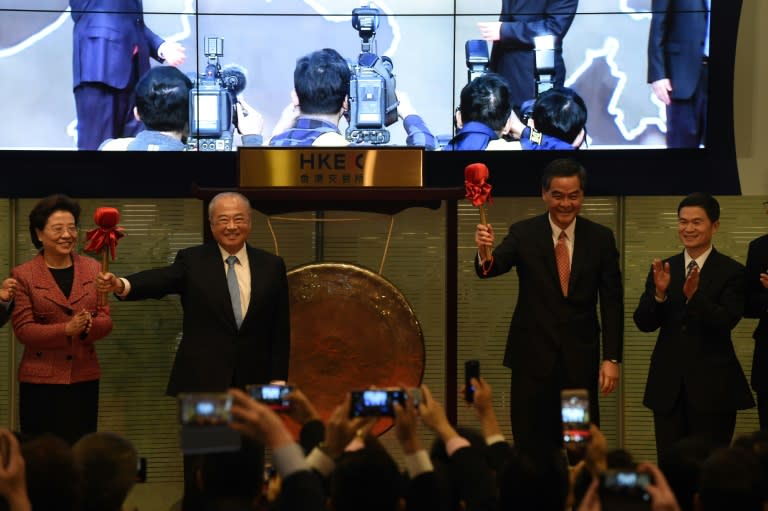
x: 350, y: 328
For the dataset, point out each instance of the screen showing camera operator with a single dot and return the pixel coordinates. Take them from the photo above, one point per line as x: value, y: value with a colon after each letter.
x: 326, y: 88
x: 486, y: 120
x: 180, y: 114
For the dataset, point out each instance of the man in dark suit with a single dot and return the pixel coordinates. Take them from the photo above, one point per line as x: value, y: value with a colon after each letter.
x: 111, y: 51
x: 554, y: 336
x: 695, y: 298
x: 678, y: 52
x: 513, y: 36
x: 757, y: 307
x: 216, y: 352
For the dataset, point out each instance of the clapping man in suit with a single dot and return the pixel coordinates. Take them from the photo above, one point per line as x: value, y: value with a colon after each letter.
x: 678, y: 53
x: 564, y: 263
x: 694, y: 298
x: 757, y: 307
x: 111, y: 47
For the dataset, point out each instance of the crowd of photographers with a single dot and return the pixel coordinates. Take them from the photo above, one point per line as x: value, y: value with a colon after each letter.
x: 339, y: 465
x: 485, y: 119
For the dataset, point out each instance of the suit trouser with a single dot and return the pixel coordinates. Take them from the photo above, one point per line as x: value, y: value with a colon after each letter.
x: 762, y: 408
x: 535, y: 408
x: 684, y: 421
x: 104, y: 112
x: 69, y: 411
x: 687, y: 118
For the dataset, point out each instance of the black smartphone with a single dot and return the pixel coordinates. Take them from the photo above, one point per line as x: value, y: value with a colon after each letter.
x: 626, y: 483
x: 271, y: 395
x: 471, y: 370
x: 204, y: 408
x: 376, y: 402
x: 141, y: 470
x: 574, y: 409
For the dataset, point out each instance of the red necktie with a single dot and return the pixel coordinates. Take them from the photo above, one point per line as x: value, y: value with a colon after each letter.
x: 563, y: 262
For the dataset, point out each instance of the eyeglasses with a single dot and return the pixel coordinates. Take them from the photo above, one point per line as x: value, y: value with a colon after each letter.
x: 59, y: 230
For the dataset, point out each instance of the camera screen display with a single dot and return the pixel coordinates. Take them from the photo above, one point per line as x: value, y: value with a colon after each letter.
x: 206, y: 111
x: 575, y: 415
x: 205, y: 409
x: 629, y: 483
x: 272, y: 395
x: 375, y: 403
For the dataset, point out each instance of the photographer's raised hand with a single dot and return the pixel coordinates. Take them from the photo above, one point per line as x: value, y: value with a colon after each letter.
x: 13, y: 479
x: 662, y: 497
x: 406, y: 422
x: 341, y: 429
x: 483, y: 407
x: 258, y: 421
x: 433, y: 416
x: 301, y: 409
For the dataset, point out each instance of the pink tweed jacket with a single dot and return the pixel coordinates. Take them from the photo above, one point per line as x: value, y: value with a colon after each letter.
x: 40, y: 313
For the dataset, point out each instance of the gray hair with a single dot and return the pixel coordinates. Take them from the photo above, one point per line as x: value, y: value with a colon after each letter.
x: 224, y: 195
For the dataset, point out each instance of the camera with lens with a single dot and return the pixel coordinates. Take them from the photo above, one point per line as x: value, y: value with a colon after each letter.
x: 372, y: 99
x: 211, y: 101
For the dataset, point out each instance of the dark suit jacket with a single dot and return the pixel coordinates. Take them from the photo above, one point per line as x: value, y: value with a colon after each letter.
x: 757, y: 307
x: 513, y: 57
x: 676, y: 44
x: 694, y: 350
x: 546, y: 325
x: 5, y: 314
x: 104, y: 37
x: 213, y: 354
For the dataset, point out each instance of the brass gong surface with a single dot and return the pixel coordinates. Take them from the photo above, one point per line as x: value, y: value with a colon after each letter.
x: 350, y: 329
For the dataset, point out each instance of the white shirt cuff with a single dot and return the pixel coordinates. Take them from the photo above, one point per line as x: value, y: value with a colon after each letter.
x: 418, y: 463
x: 126, y: 290
x: 321, y: 462
x: 289, y: 459
x: 493, y: 439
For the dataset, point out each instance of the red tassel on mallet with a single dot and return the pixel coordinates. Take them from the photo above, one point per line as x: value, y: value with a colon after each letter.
x: 103, y: 239
x: 479, y: 192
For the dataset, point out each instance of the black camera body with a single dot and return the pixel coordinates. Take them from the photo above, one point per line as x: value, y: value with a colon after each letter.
x: 372, y: 99
x: 211, y: 104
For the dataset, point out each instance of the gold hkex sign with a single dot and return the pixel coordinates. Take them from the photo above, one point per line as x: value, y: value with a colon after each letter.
x: 308, y: 167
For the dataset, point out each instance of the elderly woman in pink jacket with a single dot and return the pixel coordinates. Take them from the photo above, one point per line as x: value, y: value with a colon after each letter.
x: 57, y: 318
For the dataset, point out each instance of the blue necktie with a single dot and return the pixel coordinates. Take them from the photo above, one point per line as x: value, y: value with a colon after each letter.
x: 234, y: 290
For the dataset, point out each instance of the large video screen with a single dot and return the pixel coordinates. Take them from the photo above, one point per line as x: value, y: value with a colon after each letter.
x: 605, y: 52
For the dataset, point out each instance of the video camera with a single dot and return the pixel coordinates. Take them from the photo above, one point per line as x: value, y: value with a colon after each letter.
x: 212, y: 101
x: 372, y: 99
